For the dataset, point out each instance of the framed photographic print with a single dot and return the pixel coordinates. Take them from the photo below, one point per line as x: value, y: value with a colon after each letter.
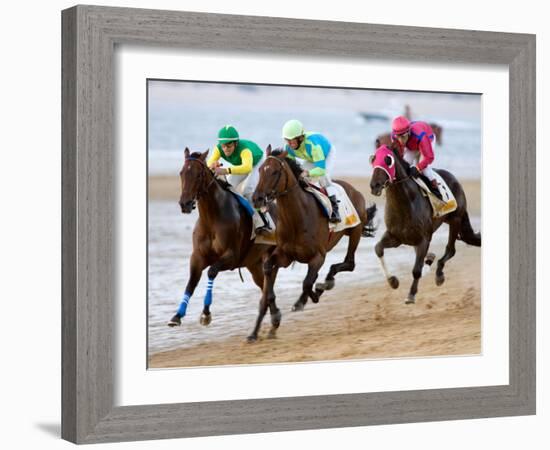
x: 342, y: 230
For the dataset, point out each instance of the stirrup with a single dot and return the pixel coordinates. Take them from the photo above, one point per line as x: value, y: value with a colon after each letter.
x: 436, y: 191
x: 335, y: 216
x: 264, y: 229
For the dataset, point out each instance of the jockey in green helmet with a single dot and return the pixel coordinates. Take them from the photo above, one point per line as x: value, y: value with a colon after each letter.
x: 245, y: 158
x: 317, y: 154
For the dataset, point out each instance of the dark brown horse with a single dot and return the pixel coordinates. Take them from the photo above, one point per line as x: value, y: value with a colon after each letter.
x: 302, y: 229
x: 408, y: 216
x: 221, y: 237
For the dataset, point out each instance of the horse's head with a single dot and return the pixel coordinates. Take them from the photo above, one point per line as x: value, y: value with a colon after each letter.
x: 194, y: 178
x: 386, y: 169
x: 276, y: 177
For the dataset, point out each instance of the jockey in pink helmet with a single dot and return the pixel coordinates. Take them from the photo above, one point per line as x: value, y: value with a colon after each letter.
x: 415, y: 145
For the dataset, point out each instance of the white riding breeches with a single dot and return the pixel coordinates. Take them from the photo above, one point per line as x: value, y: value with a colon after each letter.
x: 325, y: 181
x: 412, y: 158
x: 246, y: 184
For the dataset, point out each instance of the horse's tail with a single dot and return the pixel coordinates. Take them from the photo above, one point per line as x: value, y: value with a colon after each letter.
x: 369, y: 228
x: 467, y: 234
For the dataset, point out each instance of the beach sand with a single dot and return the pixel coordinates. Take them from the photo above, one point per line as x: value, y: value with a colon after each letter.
x: 358, y: 322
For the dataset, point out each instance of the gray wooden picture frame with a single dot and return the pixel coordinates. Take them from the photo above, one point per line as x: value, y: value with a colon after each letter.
x: 90, y: 34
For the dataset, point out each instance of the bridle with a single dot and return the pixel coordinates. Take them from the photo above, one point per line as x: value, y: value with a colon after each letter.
x: 389, y: 181
x: 276, y: 194
x: 202, y: 190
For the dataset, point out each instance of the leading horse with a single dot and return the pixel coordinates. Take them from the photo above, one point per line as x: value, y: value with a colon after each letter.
x: 409, y: 219
x: 303, y: 233
x: 221, y: 237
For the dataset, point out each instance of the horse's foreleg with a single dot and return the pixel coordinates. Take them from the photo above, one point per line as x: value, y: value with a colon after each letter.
x: 421, y: 251
x: 258, y: 277
x: 225, y: 262
x: 387, y: 241
x: 270, y: 268
x: 307, y: 287
x: 454, y: 229
x: 196, y: 266
x: 347, y: 266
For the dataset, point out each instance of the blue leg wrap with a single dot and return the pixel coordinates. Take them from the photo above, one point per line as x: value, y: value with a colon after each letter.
x: 208, y: 296
x: 183, y: 305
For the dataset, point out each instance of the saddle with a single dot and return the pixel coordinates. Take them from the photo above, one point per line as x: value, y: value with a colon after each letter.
x: 258, y: 239
x: 348, y: 213
x: 439, y: 208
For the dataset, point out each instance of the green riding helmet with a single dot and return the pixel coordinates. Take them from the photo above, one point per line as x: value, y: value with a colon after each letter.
x: 292, y: 129
x: 228, y: 134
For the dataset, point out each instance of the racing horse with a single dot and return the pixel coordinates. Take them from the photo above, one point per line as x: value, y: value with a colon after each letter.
x: 408, y: 216
x: 221, y: 237
x: 303, y: 233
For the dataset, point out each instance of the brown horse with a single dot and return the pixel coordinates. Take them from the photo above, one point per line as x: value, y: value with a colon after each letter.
x: 221, y: 237
x: 302, y: 229
x: 408, y: 216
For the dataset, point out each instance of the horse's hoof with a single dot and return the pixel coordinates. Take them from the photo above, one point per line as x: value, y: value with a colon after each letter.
x: 272, y: 333
x: 430, y: 258
x: 299, y: 306
x: 318, y: 291
x: 251, y: 339
x: 175, y: 321
x: 314, y: 297
x: 326, y: 286
x: 439, y: 279
x: 276, y: 319
x: 205, y: 319
x: 410, y: 300
x: 394, y: 282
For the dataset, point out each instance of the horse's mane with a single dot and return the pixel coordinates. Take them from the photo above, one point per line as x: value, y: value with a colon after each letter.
x: 294, y: 165
x: 223, y: 184
x: 397, y: 155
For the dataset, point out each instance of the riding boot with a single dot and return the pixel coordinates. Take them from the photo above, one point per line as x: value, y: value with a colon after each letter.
x: 436, y: 189
x: 266, y: 227
x: 335, y: 217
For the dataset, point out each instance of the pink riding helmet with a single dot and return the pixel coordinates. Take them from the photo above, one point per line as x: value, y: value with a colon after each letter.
x: 384, y: 159
x: 400, y: 125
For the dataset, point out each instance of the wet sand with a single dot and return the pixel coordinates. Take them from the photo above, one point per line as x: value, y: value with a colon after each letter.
x: 366, y: 322
x: 357, y: 321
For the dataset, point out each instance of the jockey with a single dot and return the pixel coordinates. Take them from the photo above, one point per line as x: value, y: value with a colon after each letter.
x: 415, y: 145
x: 317, y: 154
x: 245, y: 158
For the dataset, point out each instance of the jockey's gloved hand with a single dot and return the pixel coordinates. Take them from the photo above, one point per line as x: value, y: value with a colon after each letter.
x: 414, y: 172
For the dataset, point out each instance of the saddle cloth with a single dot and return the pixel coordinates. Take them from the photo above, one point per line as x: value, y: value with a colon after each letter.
x: 439, y: 208
x: 347, y: 211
